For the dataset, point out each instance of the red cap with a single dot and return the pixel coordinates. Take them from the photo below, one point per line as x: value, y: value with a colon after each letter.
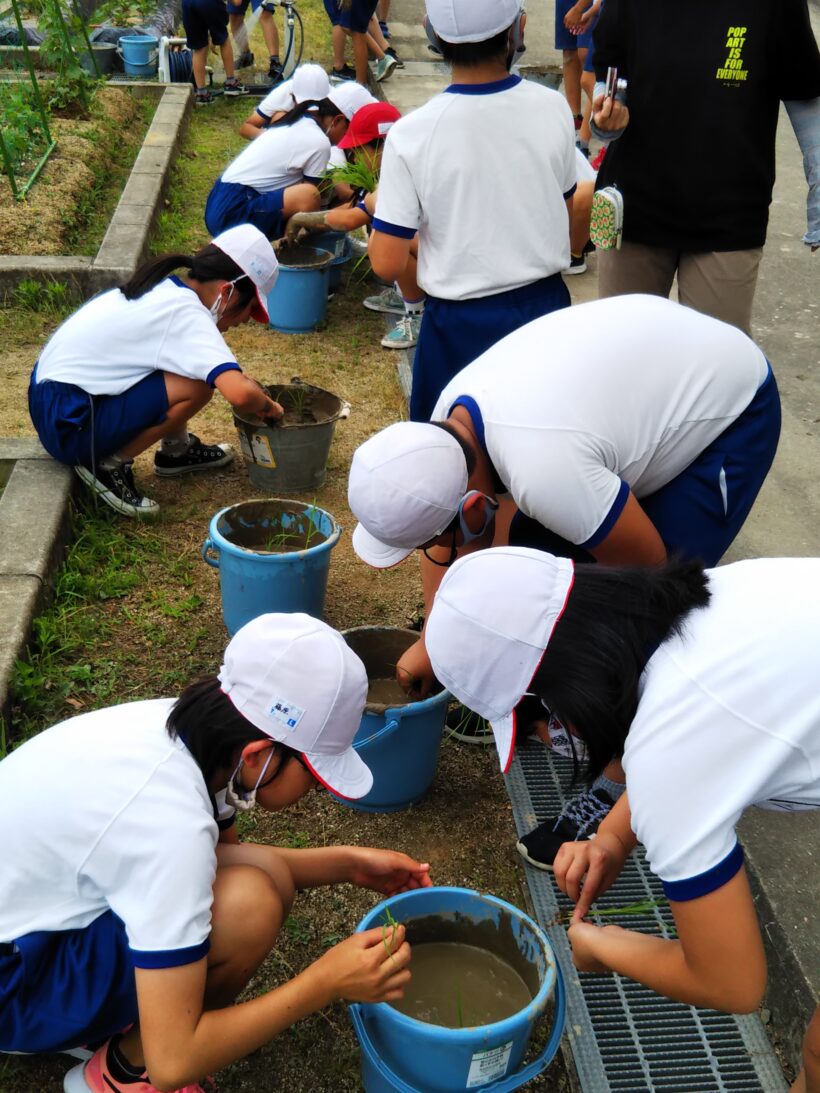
x: 371, y: 122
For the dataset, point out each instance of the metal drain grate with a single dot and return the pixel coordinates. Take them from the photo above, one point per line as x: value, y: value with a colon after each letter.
x: 624, y: 1037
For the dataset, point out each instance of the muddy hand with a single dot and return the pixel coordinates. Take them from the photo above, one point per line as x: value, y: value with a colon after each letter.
x: 302, y: 223
x: 368, y: 967
x: 414, y: 672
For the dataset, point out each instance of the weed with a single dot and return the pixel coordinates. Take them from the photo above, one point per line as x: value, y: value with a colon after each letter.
x: 298, y: 930
x: 641, y: 907
x: 48, y: 297
x: 391, y: 924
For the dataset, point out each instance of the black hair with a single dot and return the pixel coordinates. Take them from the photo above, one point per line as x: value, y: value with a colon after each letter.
x: 208, y: 264
x: 318, y: 108
x: 214, y: 731
x: 471, y: 54
x: 613, y: 621
x: 469, y: 454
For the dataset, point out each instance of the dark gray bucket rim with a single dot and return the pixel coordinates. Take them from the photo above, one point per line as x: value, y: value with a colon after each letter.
x: 239, y: 420
x: 285, y: 265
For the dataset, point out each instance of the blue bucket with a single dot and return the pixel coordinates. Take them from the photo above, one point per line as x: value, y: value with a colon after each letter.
x: 400, y: 743
x: 338, y: 244
x: 298, y: 302
x: 140, y: 55
x: 257, y: 571
x: 403, y: 1055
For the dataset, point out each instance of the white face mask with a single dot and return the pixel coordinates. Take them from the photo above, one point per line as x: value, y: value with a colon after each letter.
x: 563, y: 743
x: 239, y: 798
x: 214, y: 310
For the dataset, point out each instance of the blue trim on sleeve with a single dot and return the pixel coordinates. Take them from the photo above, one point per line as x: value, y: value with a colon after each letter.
x: 704, y: 883
x: 472, y: 408
x: 310, y: 178
x: 387, y: 228
x: 610, y: 520
x: 483, y: 88
x: 569, y: 193
x: 229, y: 366
x: 360, y: 205
x: 228, y: 821
x: 170, y: 958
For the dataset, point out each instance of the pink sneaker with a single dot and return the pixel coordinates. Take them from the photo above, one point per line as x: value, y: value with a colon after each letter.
x: 95, y: 1077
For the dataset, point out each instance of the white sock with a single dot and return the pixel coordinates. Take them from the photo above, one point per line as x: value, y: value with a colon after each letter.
x: 112, y: 462
x: 177, y: 444
x: 414, y: 307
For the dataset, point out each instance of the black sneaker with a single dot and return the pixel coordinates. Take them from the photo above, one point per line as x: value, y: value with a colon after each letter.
x: 233, y: 88
x: 467, y: 726
x: 579, y: 820
x: 577, y: 264
x: 197, y: 457
x: 395, y: 56
x: 346, y: 72
x: 116, y: 486
x: 275, y: 73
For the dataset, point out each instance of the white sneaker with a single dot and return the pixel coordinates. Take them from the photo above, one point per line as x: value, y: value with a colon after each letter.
x: 387, y: 300
x: 404, y: 334
x: 384, y: 67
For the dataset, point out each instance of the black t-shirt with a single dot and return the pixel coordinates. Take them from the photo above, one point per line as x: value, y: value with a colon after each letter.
x: 696, y: 164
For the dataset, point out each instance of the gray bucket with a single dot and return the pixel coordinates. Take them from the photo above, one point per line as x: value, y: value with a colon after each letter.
x: 291, y: 457
x: 105, y: 54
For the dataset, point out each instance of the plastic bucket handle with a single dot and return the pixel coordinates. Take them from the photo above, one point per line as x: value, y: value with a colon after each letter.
x: 152, y: 58
x: 385, y: 730
x: 504, y: 1085
x: 208, y: 546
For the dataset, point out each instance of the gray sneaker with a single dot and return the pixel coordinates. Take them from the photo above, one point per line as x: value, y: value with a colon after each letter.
x: 385, y: 67
x: 404, y: 334
x: 387, y: 300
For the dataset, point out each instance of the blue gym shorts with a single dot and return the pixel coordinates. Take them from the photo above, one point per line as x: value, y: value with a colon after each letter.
x: 75, y: 427
x: 231, y: 203
x: 203, y: 19
x: 563, y: 38
x: 455, y: 332
x: 66, y: 989
x: 700, y: 512
x: 355, y: 18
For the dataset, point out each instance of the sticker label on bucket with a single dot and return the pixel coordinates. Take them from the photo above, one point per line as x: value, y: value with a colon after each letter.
x: 257, y: 449
x: 486, y: 1066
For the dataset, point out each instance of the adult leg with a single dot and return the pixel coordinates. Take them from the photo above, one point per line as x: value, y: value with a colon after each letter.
x: 636, y: 268
x: 721, y: 284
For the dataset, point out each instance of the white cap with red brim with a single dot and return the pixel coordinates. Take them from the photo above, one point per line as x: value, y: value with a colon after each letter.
x: 254, y: 255
x: 492, y: 619
x: 405, y: 486
x: 297, y: 680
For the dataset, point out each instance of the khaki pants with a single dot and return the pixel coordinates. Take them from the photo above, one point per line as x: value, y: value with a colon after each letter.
x: 718, y: 283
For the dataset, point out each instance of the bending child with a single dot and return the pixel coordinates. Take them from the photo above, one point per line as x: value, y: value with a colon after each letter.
x: 129, y: 910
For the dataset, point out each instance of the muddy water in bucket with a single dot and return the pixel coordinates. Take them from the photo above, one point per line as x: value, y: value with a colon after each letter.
x: 290, y: 455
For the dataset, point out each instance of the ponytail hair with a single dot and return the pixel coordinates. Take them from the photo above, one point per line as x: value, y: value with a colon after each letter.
x: 208, y: 264
x: 614, y: 620
x: 318, y: 108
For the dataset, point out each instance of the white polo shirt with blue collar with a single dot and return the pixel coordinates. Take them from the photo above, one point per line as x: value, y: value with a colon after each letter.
x: 482, y: 172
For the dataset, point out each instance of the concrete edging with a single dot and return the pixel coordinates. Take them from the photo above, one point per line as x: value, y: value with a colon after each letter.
x: 34, y: 529
x: 125, y: 244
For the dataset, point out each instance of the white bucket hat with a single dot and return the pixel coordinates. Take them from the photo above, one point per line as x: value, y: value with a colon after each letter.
x: 405, y: 486
x: 471, y: 20
x: 297, y: 680
x: 310, y: 82
x: 349, y: 96
x: 255, y: 256
x: 492, y: 618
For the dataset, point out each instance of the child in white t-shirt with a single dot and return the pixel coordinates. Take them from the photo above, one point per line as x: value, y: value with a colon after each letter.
x: 131, y: 913
x: 705, y: 685
x: 485, y: 173
x: 135, y: 364
x: 278, y: 174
